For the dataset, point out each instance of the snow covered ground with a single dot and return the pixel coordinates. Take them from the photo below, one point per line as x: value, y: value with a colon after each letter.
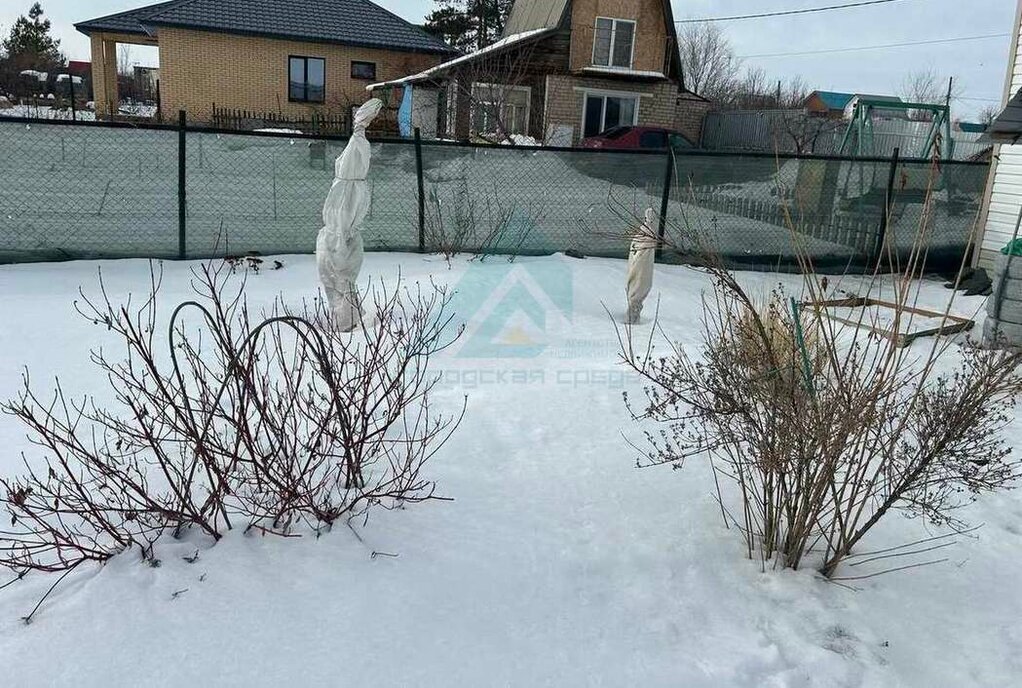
x: 45, y: 112
x: 557, y: 564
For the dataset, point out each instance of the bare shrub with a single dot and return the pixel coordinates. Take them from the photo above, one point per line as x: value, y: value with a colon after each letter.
x: 819, y: 429
x: 450, y: 221
x: 252, y: 423
x: 483, y: 222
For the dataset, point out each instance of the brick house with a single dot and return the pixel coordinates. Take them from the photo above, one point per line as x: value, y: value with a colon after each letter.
x: 563, y: 70
x: 292, y: 59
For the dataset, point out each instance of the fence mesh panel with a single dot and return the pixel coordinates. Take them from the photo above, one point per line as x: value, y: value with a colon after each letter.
x: 752, y: 210
x: 92, y: 191
x: 77, y: 192
x: 265, y: 194
x: 533, y: 201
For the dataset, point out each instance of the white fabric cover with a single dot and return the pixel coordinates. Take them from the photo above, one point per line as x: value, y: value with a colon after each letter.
x: 339, y: 244
x: 641, y: 255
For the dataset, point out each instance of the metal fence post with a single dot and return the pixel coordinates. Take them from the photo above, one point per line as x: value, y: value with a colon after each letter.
x: 878, y: 248
x: 422, y: 197
x: 182, y: 186
x: 664, y: 201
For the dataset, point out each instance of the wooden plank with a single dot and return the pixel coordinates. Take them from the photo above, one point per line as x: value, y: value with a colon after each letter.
x: 900, y: 339
x: 907, y: 338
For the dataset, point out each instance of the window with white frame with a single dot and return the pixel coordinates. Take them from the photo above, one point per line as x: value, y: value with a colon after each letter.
x: 613, y: 42
x: 606, y: 111
x: 494, y: 105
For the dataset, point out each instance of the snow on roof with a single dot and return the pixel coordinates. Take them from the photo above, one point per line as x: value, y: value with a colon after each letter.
x: 41, y: 76
x: 625, y: 72
x: 444, y: 66
x: 64, y: 77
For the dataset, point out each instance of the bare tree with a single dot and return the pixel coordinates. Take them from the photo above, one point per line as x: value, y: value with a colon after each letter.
x: 926, y: 86
x: 124, y: 63
x: 753, y: 91
x: 127, y: 85
x: 988, y: 114
x: 492, y: 92
x: 803, y: 131
x: 708, y: 62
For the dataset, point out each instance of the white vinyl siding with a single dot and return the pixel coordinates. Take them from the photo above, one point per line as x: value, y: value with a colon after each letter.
x: 1005, y: 198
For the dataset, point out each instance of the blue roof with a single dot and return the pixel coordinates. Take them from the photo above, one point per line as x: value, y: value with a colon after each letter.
x: 834, y: 100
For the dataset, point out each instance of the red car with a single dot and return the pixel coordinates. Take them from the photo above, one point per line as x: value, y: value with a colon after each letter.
x: 638, y: 137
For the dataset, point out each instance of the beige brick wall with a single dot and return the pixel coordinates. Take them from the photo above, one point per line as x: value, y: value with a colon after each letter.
x: 565, y: 98
x: 650, y: 30
x: 689, y: 116
x: 200, y: 68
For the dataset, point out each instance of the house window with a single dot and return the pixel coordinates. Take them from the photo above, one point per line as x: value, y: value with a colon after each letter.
x: 306, y: 79
x: 497, y: 106
x: 603, y: 112
x: 363, y: 70
x: 613, y: 43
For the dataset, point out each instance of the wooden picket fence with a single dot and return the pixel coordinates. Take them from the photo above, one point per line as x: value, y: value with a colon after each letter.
x: 847, y: 230
x: 247, y: 120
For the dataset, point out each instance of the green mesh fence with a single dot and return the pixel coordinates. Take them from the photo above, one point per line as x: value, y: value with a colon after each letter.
x: 76, y: 191
x: 94, y: 191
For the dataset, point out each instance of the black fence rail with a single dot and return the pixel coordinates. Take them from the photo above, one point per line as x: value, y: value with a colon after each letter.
x: 107, y: 190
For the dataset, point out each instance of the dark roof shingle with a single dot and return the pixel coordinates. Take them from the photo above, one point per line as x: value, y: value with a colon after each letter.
x: 124, y: 22
x: 350, y: 22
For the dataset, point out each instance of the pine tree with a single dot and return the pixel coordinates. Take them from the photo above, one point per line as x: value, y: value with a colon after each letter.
x: 30, y: 45
x: 469, y: 24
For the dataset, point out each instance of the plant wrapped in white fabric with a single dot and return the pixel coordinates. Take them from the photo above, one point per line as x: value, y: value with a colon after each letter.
x: 339, y: 245
x: 641, y: 255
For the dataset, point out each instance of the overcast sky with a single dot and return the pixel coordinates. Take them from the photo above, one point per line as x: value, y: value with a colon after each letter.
x: 978, y: 66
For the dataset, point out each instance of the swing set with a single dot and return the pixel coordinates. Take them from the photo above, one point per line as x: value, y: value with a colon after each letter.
x: 867, y: 180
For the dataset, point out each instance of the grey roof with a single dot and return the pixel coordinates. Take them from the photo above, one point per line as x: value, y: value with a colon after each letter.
x: 883, y: 99
x: 124, y: 22
x: 527, y: 15
x: 349, y: 22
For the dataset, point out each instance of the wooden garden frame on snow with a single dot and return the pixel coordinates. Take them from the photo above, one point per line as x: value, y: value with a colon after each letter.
x: 954, y: 325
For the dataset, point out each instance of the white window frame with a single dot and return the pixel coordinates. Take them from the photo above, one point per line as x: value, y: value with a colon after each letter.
x: 508, y: 87
x: 613, y: 39
x: 600, y: 93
